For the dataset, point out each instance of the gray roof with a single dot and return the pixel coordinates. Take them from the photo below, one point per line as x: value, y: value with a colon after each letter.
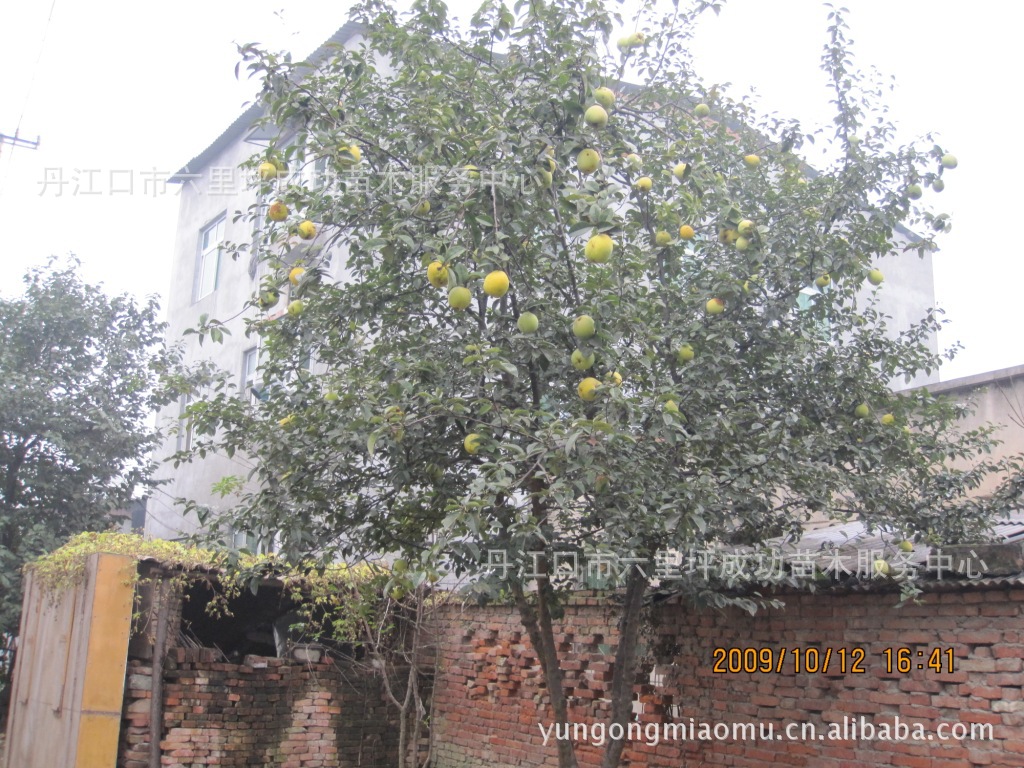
x: 254, y: 112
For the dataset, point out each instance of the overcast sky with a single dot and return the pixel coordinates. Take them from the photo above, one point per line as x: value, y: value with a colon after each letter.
x: 125, y: 93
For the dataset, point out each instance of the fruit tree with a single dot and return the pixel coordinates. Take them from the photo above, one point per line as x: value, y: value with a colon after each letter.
x: 506, y: 185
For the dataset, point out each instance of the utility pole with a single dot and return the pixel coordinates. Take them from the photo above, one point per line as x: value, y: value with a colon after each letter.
x: 17, y: 141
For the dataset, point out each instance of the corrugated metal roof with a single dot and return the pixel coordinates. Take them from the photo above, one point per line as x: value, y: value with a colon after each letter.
x: 244, y: 121
x: 853, y: 536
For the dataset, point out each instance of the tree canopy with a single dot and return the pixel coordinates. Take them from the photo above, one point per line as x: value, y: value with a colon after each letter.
x: 78, y: 371
x: 562, y: 297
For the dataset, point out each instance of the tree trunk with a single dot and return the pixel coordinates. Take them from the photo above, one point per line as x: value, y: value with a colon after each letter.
x: 538, y: 627
x: 624, y: 673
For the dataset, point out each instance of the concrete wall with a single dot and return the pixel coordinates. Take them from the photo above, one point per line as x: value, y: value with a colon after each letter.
x: 906, y: 295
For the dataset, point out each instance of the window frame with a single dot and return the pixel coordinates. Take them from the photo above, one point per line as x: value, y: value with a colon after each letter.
x: 206, y: 281
x: 250, y: 355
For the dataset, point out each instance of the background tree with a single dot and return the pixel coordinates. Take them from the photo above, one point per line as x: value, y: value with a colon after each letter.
x: 451, y: 414
x: 78, y: 371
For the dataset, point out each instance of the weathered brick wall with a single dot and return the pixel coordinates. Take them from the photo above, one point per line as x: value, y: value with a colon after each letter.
x: 264, y: 712
x: 489, y: 695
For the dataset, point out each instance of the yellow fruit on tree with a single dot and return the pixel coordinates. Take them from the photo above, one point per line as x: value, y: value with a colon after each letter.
x: 875, y: 277
x: 277, y: 211
x: 307, y: 230
x: 268, y: 298
x: 751, y: 161
x: 599, y: 248
x: 596, y: 116
x: 614, y: 378
x: 583, y: 327
x: 644, y: 183
x: 663, y: 238
x: 862, y: 411
x: 681, y: 170
x: 685, y: 353
x: 686, y: 232
x: 715, y: 306
x: 472, y: 443
x: 460, y: 297
x: 588, y: 161
x: 888, y: 419
x: 528, y: 322
x: 267, y: 171
x: 631, y: 41
x: 605, y: 97
x: 580, y: 361
x: 496, y: 284
x: 745, y: 228
x: 437, y: 274
x: 350, y: 155
x: 295, y: 274
x: 587, y: 389
x: 702, y: 110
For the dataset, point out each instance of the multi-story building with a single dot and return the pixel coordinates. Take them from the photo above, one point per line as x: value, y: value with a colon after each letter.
x: 206, y: 282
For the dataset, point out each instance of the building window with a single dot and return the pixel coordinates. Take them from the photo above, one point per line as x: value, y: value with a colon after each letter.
x: 252, y: 542
x: 805, y: 302
x: 250, y: 362
x: 241, y: 539
x: 805, y: 299
x: 210, y: 240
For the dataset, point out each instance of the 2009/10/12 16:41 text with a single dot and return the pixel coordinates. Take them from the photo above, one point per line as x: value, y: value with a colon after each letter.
x: 836, y: 660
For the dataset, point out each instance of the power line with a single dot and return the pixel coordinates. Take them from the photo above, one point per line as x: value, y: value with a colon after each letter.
x: 16, y: 140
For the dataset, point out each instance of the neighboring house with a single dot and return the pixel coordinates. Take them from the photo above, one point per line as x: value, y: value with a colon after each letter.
x: 997, y: 397
x: 206, y: 282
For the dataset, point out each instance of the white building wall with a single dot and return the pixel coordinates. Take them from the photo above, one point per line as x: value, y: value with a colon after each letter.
x: 217, y: 190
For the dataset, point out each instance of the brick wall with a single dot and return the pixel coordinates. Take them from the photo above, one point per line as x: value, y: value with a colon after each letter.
x: 489, y: 695
x: 264, y: 712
